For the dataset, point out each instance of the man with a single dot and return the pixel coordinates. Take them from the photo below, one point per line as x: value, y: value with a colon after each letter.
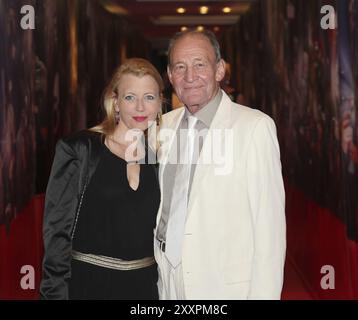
x: 221, y: 226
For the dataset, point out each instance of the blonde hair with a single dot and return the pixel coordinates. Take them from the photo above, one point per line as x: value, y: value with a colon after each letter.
x: 135, y: 66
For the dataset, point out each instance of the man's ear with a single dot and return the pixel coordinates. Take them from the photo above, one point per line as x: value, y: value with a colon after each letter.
x: 169, y: 74
x: 220, y: 70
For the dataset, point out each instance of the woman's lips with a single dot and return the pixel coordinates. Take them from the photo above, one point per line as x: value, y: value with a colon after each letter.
x: 140, y: 119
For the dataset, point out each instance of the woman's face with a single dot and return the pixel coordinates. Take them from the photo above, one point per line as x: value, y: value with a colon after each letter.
x: 138, y: 101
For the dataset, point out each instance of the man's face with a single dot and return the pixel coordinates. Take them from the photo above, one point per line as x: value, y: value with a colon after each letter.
x: 194, y: 72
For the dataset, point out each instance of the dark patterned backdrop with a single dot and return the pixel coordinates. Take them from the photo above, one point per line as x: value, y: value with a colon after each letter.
x: 305, y: 78
x: 51, y: 80
x: 17, y: 122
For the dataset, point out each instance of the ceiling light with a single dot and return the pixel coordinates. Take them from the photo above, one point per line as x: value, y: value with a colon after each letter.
x: 204, y: 9
x: 181, y: 10
x: 183, y: 28
x: 227, y: 10
x: 216, y: 29
x: 200, y: 28
x: 115, y: 9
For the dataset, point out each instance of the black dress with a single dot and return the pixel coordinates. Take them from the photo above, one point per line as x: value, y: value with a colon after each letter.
x: 118, y: 222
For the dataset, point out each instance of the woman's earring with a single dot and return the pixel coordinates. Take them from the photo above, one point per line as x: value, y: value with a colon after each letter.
x: 117, y: 117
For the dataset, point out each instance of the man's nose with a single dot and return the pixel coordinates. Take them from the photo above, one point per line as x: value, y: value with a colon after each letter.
x: 190, y: 74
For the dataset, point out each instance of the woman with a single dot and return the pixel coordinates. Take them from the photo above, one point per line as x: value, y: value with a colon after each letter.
x: 102, y: 198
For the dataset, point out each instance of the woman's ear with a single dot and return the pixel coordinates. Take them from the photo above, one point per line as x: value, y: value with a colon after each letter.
x: 115, y: 101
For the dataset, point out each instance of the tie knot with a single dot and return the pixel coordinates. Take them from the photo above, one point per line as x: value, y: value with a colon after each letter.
x: 191, y: 122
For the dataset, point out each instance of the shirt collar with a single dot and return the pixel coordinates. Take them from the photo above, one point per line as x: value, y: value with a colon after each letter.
x: 207, y: 113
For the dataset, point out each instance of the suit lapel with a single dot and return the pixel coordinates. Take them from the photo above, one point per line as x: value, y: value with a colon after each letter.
x: 221, y: 121
x: 167, y: 134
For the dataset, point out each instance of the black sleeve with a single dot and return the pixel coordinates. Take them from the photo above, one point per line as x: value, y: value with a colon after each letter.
x: 60, y: 209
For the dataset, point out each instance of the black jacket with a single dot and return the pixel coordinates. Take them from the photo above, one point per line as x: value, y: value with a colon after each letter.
x: 76, y: 159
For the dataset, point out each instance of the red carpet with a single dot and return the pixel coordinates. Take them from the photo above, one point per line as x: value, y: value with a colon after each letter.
x: 294, y: 287
x: 315, y: 238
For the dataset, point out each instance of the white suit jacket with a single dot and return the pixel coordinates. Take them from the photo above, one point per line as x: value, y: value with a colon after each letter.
x: 235, y: 234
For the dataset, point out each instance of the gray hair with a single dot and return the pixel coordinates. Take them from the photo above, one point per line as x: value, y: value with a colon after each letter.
x: 206, y: 33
